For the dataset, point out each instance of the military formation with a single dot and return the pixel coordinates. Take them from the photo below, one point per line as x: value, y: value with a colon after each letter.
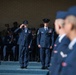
x: 58, y: 56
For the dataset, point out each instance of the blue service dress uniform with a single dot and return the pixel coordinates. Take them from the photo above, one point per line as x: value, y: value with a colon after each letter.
x: 69, y: 65
x: 25, y: 40
x: 44, y: 39
x: 56, y: 62
x: 54, y: 53
x: 55, y: 46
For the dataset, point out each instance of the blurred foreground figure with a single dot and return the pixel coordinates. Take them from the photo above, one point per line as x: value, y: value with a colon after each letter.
x: 69, y: 65
x: 61, y: 45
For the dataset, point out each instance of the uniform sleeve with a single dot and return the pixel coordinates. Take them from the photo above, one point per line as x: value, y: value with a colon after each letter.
x: 38, y: 37
x: 30, y: 39
x: 18, y: 30
x: 52, y: 38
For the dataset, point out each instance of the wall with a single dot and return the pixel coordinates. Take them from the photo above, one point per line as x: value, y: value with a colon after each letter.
x: 32, y: 10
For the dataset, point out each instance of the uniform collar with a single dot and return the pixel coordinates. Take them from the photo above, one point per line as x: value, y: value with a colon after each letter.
x: 72, y: 43
x: 45, y: 27
x: 61, y: 37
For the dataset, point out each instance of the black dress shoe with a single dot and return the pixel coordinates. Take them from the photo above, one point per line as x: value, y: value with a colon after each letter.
x: 46, y: 67
x: 43, y: 67
x: 22, y: 67
x: 25, y: 67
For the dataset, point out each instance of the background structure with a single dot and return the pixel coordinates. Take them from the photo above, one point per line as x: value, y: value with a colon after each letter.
x: 32, y: 10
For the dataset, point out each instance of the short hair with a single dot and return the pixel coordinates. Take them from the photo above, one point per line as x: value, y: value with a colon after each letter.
x: 59, y: 22
x: 72, y: 19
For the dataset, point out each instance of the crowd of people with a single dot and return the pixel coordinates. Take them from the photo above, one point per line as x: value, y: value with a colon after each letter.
x: 10, y: 43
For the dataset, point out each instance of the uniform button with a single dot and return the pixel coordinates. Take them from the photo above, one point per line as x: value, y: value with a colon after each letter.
x: 64, y: 64
x: 55, y: 51
x: 55, y: 45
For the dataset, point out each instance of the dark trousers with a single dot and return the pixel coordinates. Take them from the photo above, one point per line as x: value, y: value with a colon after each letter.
x: 1, y: 53
x: 24, y: 52
x: 15, y: 52
x: 45, y: 56
x: 8, y: 53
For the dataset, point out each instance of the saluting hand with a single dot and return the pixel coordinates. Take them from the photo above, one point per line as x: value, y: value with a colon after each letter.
x: 21, y: 25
